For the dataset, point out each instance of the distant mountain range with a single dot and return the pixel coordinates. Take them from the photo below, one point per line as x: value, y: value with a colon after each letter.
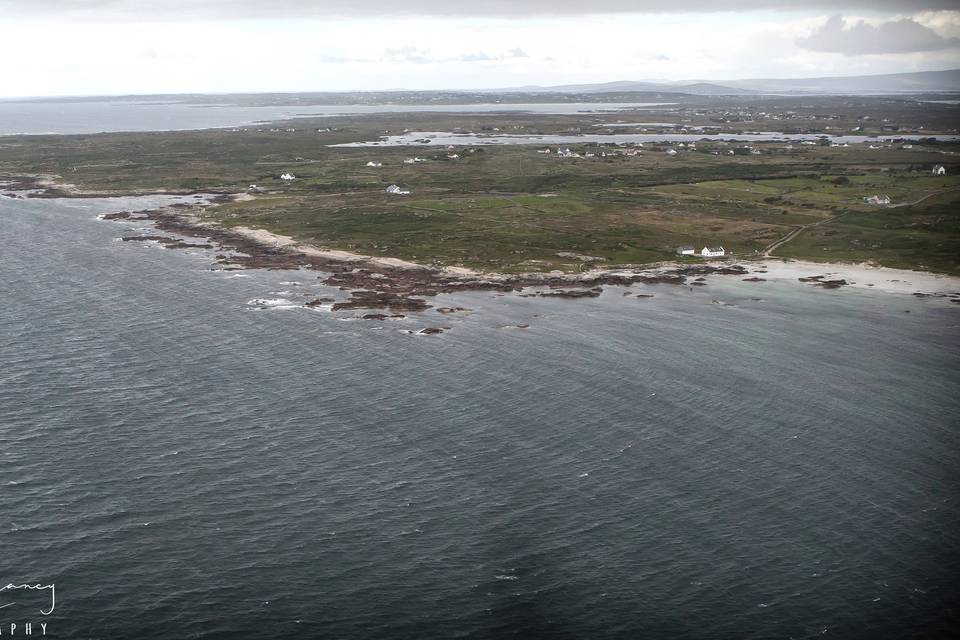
x: 917, y: 82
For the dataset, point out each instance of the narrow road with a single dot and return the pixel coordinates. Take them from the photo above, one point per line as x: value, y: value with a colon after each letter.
x: 919, y: 200
x: 793, y: 234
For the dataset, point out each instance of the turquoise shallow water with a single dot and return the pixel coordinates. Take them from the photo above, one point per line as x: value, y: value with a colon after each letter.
x: 182, y: 464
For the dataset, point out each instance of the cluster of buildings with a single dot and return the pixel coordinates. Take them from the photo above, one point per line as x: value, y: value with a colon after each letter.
x: 706, y: 252
x: 567, y: 153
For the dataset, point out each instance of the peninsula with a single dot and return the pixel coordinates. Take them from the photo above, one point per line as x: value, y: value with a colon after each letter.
x: 828, y: 179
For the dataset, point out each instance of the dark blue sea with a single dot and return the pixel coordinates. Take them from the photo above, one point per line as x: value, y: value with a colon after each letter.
x: 181, y: 463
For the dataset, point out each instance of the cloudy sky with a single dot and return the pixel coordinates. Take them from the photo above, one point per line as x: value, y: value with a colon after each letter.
x: 98, y: 47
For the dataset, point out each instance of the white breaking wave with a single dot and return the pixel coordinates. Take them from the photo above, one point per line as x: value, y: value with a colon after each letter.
x: 272, y: 303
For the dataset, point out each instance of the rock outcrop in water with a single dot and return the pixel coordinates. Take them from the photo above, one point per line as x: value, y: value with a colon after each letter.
x: 169, y: 243
x: 318, y: 302
x: 818, y: 281
x: 575, y: 293
x: 430, y: 331
x: 381, y: 300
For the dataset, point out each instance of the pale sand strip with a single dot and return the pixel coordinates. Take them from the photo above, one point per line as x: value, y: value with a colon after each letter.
x: 861, y: 276
x: 276, y: 240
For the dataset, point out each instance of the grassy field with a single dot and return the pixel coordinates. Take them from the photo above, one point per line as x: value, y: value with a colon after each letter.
x: 510, y: 208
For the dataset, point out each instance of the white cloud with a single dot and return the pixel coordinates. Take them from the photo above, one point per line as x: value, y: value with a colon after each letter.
x: 227, y: 9
x: 945, y: 23
x: 903, y: 35
x: 64, y: 57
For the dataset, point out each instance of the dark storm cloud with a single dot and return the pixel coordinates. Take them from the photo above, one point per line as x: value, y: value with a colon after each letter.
x: 895, y: 36
x: 187, y: 9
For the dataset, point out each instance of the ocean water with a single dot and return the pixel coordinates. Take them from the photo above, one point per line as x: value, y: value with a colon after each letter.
x: 183, y: 464
x: 24, y: 117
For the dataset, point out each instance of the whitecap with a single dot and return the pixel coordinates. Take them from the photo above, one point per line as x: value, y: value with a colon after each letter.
x: 272, y: 303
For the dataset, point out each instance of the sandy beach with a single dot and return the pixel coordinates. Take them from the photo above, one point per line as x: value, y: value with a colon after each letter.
x: 861, y: 276
x: 286, y: 242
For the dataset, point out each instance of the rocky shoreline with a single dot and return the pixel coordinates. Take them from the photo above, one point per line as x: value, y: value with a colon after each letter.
x: 387, y: 284
x: 374, y: 285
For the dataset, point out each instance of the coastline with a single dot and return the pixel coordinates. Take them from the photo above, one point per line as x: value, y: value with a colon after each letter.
x: 856, y: 275
x: 392, y: 283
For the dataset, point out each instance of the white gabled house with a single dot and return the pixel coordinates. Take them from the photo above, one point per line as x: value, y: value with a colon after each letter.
x: 287, y: 177
x: 712, y: 252
x: 939, y: 170
x: 686, y: 250
x: 397, y: 191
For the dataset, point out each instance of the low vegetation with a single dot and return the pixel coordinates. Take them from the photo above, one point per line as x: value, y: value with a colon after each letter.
x: 511, y: 208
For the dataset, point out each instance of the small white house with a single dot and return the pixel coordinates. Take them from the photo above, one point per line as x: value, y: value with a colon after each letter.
x: 671, y: 152
x: 686, y: 250
x: 374, y: 164
x: 878, y: 200
x: 287, y: 177
x: 712, y: 252
x: 397, y: 191
x: 939, y: 170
